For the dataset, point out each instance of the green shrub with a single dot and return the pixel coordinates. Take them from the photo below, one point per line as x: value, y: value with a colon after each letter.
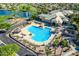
x: 64, y: 43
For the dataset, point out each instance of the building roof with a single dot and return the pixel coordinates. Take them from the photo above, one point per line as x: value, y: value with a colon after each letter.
x: 57, y: 17
x: 46, y: 16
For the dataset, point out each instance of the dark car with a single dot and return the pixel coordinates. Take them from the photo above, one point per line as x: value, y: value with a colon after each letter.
x: 2, y: 31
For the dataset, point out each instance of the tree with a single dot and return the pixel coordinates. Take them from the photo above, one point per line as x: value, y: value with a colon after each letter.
x: 75, y: 20
x: 33, y: 11
x: 28, y: 8
x: 13, y: 8
x: 24, y: 7
x: 64, y: 43
x: 9, y: 50
x: 56, y: 43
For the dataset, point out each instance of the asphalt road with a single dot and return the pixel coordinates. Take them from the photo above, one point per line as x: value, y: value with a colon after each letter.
x: 24, y: 51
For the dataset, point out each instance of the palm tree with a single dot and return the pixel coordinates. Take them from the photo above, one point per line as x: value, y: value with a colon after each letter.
x: 56, y: 44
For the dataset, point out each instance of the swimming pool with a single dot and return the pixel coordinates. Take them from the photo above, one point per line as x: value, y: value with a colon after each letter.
x: 5, y: 12
x: 16, y: 13
x: 39, y: 34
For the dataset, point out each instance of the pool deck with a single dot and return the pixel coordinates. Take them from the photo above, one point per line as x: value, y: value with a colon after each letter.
x: 29, y: 38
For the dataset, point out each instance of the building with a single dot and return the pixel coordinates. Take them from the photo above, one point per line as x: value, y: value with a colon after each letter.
x: 54, y: 17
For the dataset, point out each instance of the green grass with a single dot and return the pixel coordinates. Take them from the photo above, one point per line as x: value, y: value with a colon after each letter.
x: 9, y: 50
x: 4, y: 18
x: 5, y: 26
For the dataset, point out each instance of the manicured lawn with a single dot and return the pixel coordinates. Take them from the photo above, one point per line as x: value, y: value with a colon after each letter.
x: 5, y: 26
x: 9, y: 50
x: 3, y: 18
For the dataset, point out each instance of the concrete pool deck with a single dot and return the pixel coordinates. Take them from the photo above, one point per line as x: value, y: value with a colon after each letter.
x: 30, y: 40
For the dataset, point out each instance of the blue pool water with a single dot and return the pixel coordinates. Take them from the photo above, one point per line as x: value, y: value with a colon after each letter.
x: 19, y: 14
x: 5, y: 12
x: 39, y: 34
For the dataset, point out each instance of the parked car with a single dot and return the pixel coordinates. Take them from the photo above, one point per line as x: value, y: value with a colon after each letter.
x: 2, y: 31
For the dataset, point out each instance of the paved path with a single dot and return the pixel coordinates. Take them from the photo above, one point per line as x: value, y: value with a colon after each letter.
x: 70, y: 52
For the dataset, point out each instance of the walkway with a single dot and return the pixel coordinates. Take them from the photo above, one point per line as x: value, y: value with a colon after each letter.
x: 70, y: 52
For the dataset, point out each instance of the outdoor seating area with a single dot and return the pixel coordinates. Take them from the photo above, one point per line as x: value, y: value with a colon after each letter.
x: 36, y: 23
x: 41, y: 49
